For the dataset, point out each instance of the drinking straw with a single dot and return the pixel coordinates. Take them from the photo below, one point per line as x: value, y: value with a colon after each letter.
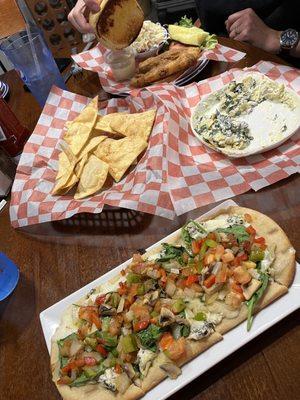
x: 35, y: 59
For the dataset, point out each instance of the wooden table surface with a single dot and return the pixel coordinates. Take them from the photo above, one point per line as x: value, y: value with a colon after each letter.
x: 55, y: 259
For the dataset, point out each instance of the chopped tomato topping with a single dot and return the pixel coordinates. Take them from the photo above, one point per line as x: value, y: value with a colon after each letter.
x: 209, y: 258
x: 209, y: 281
x: 139, y: 326
x: 73, y: 365
x: 90, y: 361
x: 100, y: 299
x: 247, y: 217
x: 211, y: 236
x: 163, y: 275
x: 236, y: 288
x: 196, y: 246
x: 239, y: 258
x: 90, y: 314
x: 260, y: 241
x: 122, y: 289
x: 101, y: 350
x: 118, y: 369
x: 251, y: 230
x: 221, y: 276
x: 166, y: 341
x: 153, y: 321
x: 176, y: 349
x: 191, y: 279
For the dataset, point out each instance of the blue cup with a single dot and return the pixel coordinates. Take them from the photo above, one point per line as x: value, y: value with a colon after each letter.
x: 29, y: 53
x: 9, y: 276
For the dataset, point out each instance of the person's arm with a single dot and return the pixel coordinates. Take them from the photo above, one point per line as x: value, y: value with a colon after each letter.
x: 246, y: 26
x: 78, y: 16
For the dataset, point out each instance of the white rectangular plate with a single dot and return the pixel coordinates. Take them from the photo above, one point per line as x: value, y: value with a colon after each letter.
x: 232, y: 341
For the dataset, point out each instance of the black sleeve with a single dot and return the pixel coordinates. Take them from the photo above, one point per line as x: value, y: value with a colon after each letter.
x: 213, y: 13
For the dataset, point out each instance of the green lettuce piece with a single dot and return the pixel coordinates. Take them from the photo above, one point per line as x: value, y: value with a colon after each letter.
x: 171, y: 252
x: 255, y: 298
x: 210, y: 42
x: 149, y: 337
x: 239, y: 231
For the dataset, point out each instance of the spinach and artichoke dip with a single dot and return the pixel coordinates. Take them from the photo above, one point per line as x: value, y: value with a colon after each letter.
x: 223, y: 128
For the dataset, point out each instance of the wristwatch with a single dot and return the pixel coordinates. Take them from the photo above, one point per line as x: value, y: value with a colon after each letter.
x: 288, y: 40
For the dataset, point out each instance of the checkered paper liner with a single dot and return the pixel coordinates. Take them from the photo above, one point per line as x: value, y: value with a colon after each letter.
x: 143, y: 189
x: 94, y: 60
x: 176, y: 174
x: 198, y: 175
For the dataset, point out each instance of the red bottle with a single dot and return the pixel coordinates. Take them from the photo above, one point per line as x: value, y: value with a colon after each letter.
x: 13, y: 135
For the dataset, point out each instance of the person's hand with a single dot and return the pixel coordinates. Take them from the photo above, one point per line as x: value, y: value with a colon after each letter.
x: 246, y: 26
x: 78, y: 16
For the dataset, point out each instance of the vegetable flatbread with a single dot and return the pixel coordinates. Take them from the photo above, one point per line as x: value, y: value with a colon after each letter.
x: 170, y: 305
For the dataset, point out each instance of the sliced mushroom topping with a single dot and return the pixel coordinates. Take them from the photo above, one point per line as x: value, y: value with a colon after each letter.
x: 129, y: 370
x: 166, y: 317
x: 251, y: 288
x: 107, y: 310
x: 171, y: 369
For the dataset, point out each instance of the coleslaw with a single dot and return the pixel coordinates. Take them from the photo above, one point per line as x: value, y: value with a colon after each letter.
x: 151, y: 36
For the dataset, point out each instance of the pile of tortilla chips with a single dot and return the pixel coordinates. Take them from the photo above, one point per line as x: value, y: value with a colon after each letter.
x: 97, y: 146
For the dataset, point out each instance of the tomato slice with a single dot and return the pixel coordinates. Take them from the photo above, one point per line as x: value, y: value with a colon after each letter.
x: 191, y: 279
x: 209, y: 281
x: 90, y: 361
x: 196, y: 246
x: 102, y: 350
x: 141, y: 325
x: 166, y: 341
x: 100, y: 299
x: 251, y: 230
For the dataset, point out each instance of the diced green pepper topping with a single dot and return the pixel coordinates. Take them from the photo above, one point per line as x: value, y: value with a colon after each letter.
x: 114, y: 299
x: 211, y: 243
x: 141, y: 289
x: 257, y: 254
x: 178, y: 306
x: 133, y: 278
x: 92, y: 342
x: 202, y: 250
x: 128, y: 344
x: 105, y: 323
x: 199, y: 266
x: 200, y: 316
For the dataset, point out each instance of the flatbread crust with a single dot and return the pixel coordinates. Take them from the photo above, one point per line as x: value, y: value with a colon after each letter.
x: 194, y: 348
x: 284, y: 267
x: 284, y: 264
x: 273, y: 292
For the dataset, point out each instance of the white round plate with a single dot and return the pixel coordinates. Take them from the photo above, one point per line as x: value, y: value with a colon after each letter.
x: 264, y: 127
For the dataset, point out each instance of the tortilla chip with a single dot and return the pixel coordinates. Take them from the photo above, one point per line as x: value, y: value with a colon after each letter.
x: 93, y: 177
x: 120, y: 154
x: 79, y: 131
x: 80, y: 165
x: 102, y: 151
x: 91, y: 145
x: 64, y: 183
x: 139, y: 124
x: 103, y: 123
x: 64, y: 178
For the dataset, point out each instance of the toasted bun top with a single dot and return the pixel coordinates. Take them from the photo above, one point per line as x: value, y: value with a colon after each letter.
x: 118, y: 23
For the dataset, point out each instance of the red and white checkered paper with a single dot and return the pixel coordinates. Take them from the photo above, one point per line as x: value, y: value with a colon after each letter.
x: 198, y: 175
x: 176, y: 174
x: 94, y: 60
x: 144, y: 189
